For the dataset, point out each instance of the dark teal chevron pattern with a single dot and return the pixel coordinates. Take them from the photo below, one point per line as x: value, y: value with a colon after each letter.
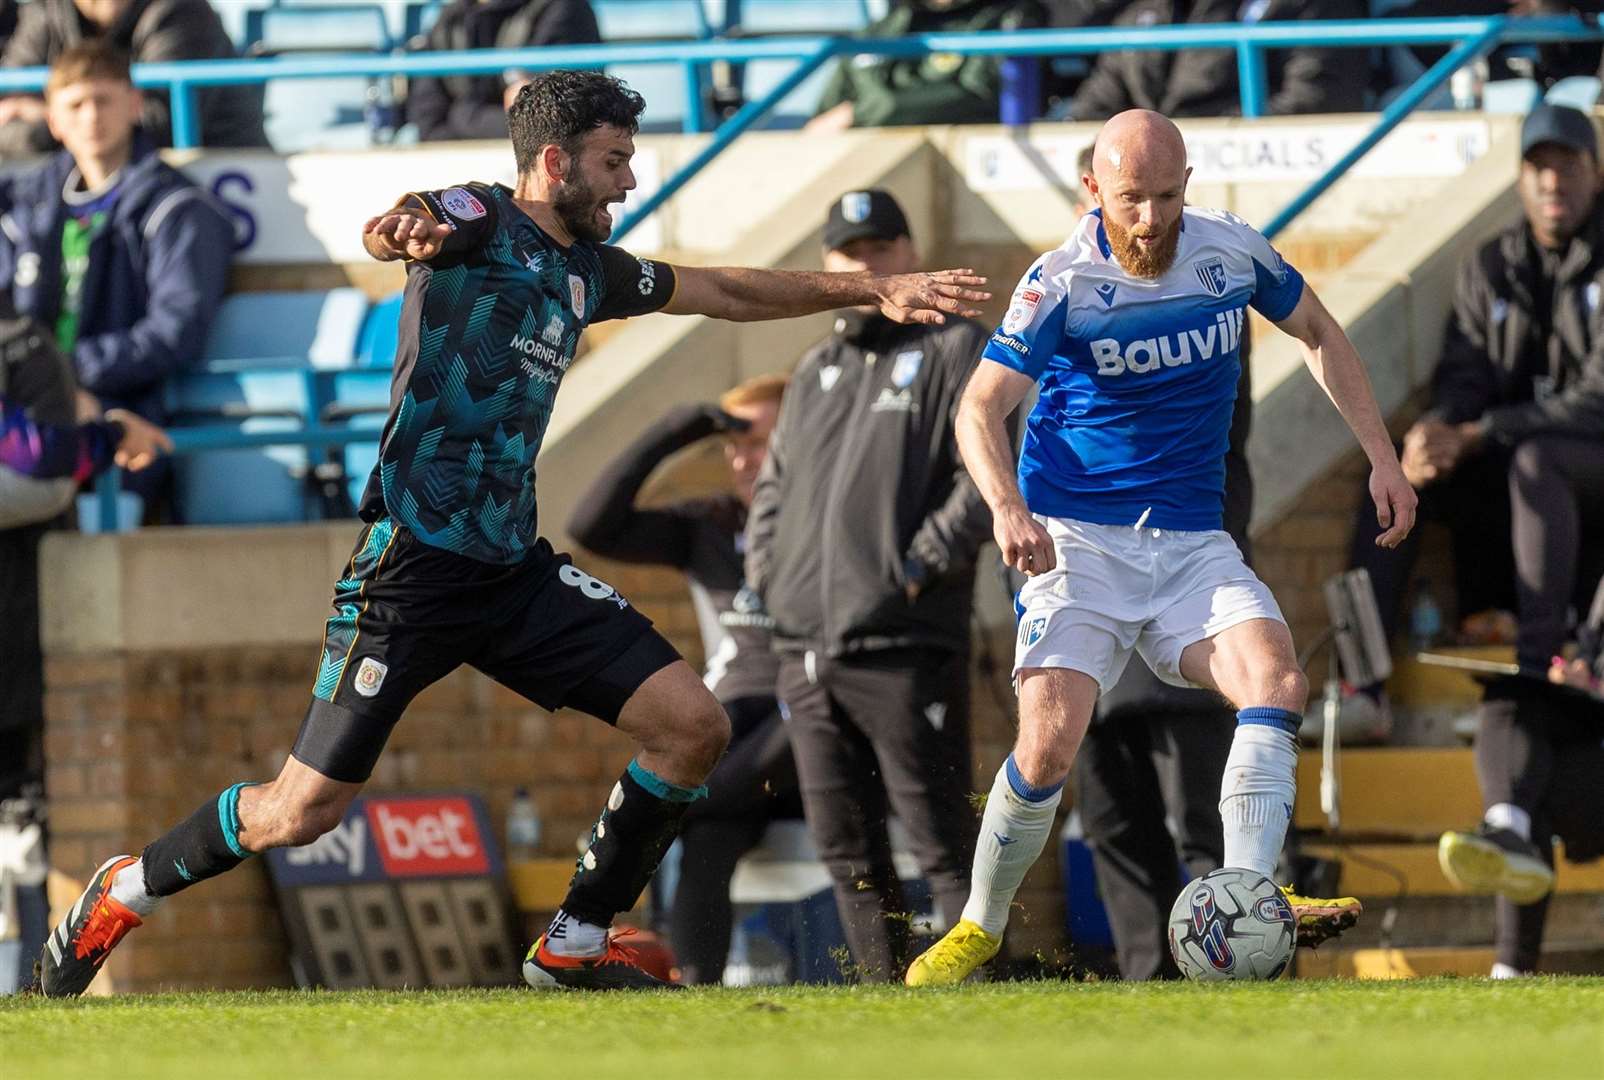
x: 496, y: 332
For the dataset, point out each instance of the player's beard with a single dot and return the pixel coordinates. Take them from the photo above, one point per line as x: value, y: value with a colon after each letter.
x: 575, y: 203
x: 1139, y: 261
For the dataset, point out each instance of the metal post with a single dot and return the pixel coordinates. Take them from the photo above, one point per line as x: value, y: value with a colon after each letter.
x: 1251, y: 77
x: 692, y: 124
x: 106, y: 489
x: 185, y: 116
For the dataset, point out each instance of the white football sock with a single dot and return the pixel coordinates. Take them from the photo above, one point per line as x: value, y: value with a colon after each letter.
x: 128, y: 889
x: 1509, y: 816
x: 1256, y: 795
x: 1013, y: 831
x: 568, y: 936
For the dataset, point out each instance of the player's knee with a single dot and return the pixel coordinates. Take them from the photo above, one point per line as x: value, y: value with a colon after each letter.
x: 705, y: 733
x: 700, y: 735
x: 1288, y: 688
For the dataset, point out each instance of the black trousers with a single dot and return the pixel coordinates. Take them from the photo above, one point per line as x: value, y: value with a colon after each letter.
x: 22, y: 718
x: 875, y: 734
x: 1517, y: 521
x: 1473, y: 502
x: 753, y: 784
x: 1140, y: 764
x: 1556, y: 490
x: 1544, y: 754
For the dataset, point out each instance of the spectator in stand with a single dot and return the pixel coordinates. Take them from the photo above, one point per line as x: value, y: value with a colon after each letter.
x: 1203, y: 82
x: 1510, y: 453
x: 146, y: 30
x: 475, y: 106
x: 943, y: 88
x: 50, y: 442
x: 861, y: 544
x: 1539, y: 755
x: 755, y: 783
x: 121, y: 256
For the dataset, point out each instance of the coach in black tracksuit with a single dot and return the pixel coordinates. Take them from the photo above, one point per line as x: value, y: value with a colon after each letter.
x: 861, y: 542
x: 755, y: 782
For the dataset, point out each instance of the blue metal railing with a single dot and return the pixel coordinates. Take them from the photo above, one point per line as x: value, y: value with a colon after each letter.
x: 1469, y: 38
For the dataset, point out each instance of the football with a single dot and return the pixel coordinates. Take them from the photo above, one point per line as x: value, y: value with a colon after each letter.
x: 1231, y: 924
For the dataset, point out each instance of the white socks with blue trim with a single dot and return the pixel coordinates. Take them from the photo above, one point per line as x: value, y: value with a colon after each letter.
x: 1258, y: 788
x: 1013, y: 831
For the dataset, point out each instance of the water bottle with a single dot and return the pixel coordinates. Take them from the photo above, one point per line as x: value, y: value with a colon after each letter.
x: 523, y: 827
x: 1425, y: 618
x: 1465, y: 84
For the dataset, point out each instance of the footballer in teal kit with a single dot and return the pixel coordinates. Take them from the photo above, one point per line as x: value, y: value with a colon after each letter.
x: 450, y: 568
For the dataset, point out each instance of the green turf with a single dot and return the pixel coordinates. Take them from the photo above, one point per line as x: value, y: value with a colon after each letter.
x: 1459, y: 1028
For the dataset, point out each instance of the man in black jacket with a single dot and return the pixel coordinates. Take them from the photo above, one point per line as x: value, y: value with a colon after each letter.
x: 705, y: 537
x: 475, y: 106
x: 121, y: 256
x: 861, y: 543
x: 148, y: 31
x: 1511, y: 451
x: 1203, y: 82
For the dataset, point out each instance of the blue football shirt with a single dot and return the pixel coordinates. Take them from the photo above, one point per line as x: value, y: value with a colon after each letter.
x: 1138, y: 375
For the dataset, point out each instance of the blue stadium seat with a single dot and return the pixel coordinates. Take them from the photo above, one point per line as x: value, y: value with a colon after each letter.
x: 1578, y: 91
x: 301, y: 28
x: 802, y: 17
x: 1510, y: 96
x: 242, y: 487
x: 651, y: 20
x: 795, y: 108
x: 255, y: 375
x: 319, y: 328
x: 327, y: 114
x: 375, y: 346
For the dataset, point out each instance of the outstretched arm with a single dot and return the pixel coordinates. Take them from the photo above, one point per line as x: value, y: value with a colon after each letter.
x: 993, y: 393
x: 1336, y: 366
x: 742, y: 294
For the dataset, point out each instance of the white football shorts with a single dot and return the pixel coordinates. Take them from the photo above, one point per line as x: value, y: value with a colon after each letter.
x: 1117, y: 587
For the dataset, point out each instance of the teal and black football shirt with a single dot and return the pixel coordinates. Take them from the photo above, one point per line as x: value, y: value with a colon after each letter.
x: 488, y: 329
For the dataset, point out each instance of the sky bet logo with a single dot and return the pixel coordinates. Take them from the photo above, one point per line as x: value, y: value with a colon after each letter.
x: 393, y: 838
x: 1139, y: 357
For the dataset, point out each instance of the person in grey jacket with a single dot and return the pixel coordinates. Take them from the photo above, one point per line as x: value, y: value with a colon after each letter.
x: 148, y: 31
x: 861, y: 543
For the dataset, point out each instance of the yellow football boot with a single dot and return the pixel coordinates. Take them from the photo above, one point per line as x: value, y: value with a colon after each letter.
x: 954, y: 958
x: 1319, y: 920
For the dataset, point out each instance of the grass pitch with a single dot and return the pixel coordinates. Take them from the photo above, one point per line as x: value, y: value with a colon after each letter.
x: 1462, y: 1028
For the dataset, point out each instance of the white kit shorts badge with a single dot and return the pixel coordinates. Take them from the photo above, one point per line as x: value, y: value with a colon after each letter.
x: 369, y: 676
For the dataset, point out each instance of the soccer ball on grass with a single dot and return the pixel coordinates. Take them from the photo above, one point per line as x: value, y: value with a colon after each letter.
x: 1231, y: 924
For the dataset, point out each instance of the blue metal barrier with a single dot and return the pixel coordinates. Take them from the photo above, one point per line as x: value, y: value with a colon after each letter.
x: 1469, y: 38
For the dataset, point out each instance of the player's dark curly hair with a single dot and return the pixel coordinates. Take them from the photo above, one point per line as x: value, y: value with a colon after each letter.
x: 561, y: 106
